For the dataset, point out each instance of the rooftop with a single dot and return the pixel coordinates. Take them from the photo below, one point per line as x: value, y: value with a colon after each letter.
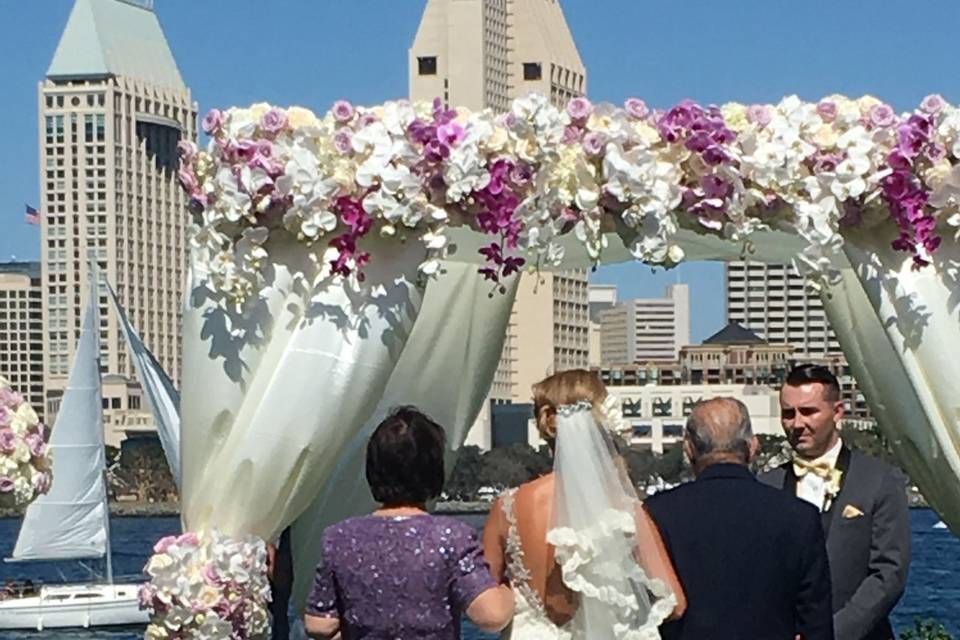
x: 114, y: 38
x: 31, y: 269
x: 733, y: 333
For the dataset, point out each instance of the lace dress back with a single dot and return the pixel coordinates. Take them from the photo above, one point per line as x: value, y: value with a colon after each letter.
x: 530, y: 619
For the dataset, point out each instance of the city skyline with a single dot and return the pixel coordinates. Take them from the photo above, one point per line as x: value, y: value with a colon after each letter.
x: 741, y: 54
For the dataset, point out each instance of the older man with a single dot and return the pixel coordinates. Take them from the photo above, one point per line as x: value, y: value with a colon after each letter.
x: 751, y: 559
x: 863, y: 503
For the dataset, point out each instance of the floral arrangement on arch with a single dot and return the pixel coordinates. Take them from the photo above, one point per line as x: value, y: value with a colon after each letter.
x: 25, y: 461
x: 207, y: 587
x: 526, y: 177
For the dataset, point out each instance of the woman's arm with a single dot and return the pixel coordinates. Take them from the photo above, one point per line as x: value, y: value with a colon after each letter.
x: 653, y: 557
x: 322, y: 627
x: 492, y: 610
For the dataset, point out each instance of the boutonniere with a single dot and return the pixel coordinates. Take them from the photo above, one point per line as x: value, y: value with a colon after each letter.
x: 832, y: 487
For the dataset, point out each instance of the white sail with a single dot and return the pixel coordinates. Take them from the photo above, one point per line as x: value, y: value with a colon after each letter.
x: 161, y: 394
x: 71, y: 520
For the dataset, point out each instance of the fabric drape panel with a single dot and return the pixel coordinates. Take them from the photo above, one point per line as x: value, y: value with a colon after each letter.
x: 271, y: 398
x: 446, y: 369
x: 900, y: 331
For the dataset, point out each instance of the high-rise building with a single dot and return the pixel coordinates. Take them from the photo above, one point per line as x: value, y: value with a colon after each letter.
x: 600, y: 298
x: 774, y: 302
x: 112, y: 109
x: 21, y: 330
x: 482, y: 54
x: 646, y: 329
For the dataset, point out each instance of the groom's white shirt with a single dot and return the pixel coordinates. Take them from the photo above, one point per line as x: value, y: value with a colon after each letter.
x: 812, y: 487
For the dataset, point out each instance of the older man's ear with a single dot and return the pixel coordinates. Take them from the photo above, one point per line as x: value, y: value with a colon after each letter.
x: 754, y: 448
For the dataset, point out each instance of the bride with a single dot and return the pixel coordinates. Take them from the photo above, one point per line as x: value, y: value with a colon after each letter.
x: 576, y: 545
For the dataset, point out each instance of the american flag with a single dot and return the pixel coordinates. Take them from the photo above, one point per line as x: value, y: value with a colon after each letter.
x: 32, y: 216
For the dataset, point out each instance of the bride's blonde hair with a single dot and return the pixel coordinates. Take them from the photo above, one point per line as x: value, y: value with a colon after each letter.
x: 566, y: 387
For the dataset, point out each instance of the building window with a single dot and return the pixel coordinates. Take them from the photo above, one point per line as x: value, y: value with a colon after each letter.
x: 427, y: 65
x: 532, y: 71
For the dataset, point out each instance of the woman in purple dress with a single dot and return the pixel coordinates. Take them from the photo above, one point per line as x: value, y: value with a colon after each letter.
x: 401, y: 572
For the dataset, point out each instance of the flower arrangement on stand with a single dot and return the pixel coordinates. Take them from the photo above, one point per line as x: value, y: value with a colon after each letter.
x: 207, y: 586
x: 526, y: 177
x: 25, y: 461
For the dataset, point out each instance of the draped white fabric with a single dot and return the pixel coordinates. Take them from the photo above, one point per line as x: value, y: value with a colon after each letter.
x: 446, y: 369
x: 899, y: 329
x: 271, y: 397
x: 277, y: 403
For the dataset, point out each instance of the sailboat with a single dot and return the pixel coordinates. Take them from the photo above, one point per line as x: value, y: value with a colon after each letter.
x: 72, y: 521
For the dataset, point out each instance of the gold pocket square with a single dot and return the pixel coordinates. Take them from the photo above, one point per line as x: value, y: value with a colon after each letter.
x: 851, y: 511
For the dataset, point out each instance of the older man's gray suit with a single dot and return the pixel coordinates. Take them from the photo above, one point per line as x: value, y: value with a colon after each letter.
x: 867, y: 528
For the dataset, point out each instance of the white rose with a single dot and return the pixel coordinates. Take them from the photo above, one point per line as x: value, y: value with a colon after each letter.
x: 26, y: 413
x: 21, y: 452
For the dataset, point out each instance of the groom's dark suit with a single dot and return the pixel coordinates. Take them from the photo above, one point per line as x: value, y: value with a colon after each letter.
x: 867, y: 528
x: 751, y: 559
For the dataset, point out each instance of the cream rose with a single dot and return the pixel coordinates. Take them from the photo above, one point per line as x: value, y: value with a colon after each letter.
x: 298, y: 117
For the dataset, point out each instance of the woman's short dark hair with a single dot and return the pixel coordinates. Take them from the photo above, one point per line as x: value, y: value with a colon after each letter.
x: 808, y: 373
x: 405, y: 458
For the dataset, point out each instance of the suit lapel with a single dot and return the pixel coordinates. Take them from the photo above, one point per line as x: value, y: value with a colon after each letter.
x: 789, y: 479
x: 843, y: 465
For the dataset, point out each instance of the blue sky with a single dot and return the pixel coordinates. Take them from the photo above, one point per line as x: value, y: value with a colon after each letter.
x: 312, y: 52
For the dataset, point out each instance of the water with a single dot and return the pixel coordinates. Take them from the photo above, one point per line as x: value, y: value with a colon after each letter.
x: 933, y: 589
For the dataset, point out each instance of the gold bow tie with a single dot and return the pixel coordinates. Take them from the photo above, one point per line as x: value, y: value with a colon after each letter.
x: 820, y: 468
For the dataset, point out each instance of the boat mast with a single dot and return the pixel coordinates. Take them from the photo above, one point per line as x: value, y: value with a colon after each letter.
x: 95, y: 307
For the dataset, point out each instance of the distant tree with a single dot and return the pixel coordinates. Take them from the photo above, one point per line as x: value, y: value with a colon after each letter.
x: 927, y: 630
x: 513, y: 465
x: 671, y: 465
x: 463, y: 481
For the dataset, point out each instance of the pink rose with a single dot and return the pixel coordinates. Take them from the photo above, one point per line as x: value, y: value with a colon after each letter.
x: 572, y: 134
x: 274, y: 121
x: 593, y: 143
x: 342, y: 111
x: 187, y: 180
x: 5, y: 417
x: 41, y: 482
x: 827, y: 110
x: 579, y: 108
x: 343, y: 140
x: 6, y: 484
x: 187, y: 150
x: 8, y: 440
x: 758, y: 114
x: 188, y: 539
x: 636, y: 108
x: 10, y: 399
x: 882, y: 115
x: 213, y: 121
x: 146, y: 594
x: 211, y: 576
x: 933, y: 103
x: 36, y: 445
x: 164, y: 543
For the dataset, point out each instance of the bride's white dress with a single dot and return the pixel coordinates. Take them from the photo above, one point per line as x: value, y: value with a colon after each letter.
x: 530, y: 620
x: 594, y: 530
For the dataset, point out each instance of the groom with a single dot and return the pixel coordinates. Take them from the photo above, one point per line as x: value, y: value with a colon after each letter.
x: 751, y: 559
x: 862, y: 502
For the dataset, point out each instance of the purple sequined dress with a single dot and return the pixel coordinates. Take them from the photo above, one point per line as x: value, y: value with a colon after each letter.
x: 399, y: 577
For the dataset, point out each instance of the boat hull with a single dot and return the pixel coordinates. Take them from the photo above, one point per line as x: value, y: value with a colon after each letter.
x: 83, y: 606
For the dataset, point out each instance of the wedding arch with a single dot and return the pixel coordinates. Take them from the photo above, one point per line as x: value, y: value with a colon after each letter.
x: 349, y: 262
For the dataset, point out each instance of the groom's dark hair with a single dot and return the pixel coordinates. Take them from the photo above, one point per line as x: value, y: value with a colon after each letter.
x: 405, y: 458
x: 809, y: 373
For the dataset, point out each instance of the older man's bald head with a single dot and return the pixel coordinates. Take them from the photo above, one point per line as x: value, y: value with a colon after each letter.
x: 719, y: 427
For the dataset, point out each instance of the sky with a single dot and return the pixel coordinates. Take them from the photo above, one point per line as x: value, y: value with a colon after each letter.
x: 312, y: 52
